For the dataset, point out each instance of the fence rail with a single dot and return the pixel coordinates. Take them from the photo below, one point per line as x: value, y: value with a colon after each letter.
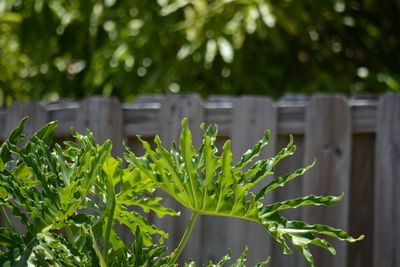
x: 356, y: 142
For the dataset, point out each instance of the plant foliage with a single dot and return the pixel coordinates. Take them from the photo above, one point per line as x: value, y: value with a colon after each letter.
x: 68, y: 200
x: 211, y: 184
x: 65, y: 205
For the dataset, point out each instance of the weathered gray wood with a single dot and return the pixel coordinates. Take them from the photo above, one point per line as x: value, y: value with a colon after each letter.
x: 38, y: 117
x: 66, y: 114
x: 220, y: 113
x: 2, y: 125
x: 361, y: 200
x: 291, y: 190
x: 387, y: 183
x: 363, y: 113
x: 142, y: 117
x: 251, y: 117
x: 103, y: 116
x: 328, y: 139
x: 173, y: 109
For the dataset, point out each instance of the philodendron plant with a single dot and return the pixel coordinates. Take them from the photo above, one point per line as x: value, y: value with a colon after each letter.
x: 62, y: 205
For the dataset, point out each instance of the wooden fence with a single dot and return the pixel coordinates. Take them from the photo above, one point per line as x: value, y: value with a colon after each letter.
x: 356, y: 142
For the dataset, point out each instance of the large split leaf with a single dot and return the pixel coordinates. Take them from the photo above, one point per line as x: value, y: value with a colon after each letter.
x: 211, y: 184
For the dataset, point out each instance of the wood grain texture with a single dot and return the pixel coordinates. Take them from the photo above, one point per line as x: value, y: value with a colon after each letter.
x: 361, y: 199
x: 328, y: 139
x: 251, y: 117
x: 3, y: 132
x: 292, y: 189
x: 141, y: 117
x: 103, y: 116
x: 173, y: 109
x: 37, y: 117
x: 387, y: 183
x: 66, y: 114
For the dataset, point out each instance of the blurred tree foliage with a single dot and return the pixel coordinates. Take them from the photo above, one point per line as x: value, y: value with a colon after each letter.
x: 72, y: 48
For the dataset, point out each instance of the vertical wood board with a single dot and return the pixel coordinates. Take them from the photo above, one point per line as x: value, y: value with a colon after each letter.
x: 328, y: 139
x: 173, y: 109
x: 251, y: 117
x: 292, y: 189
x: 361, y: 198
x: 102, y: 116
x: 387, y: 183
x: 37, y: 117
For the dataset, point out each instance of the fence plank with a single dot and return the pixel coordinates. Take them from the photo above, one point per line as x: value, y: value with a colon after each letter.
x: 173, y: 109
x: 361, y: 200
x: 290, y: 190
x: 104, y: 117
x: 141, y: 117
x: 38, y: 117
x: 328, y: 138
x: 387, y: 184
x: 251, y: 117
x: 3, y: 132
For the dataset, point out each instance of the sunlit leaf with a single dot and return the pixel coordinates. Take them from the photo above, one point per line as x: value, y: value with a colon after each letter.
x: 209, y: 184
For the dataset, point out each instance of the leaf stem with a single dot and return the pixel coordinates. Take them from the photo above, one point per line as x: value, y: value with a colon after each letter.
x: 108, y: 229
x: 9, y: 223
x: 102, y: 262
x: 185, y: 238
x: 70, y: 235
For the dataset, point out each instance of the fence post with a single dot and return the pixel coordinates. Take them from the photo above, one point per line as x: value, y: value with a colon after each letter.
x: 104, y: 117
x: 387, y: 183
x: 251, y: 117
x: 328, y: 139
x: 173, y: 109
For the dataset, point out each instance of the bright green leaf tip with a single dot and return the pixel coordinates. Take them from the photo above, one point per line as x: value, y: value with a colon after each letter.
x: 361, y: 237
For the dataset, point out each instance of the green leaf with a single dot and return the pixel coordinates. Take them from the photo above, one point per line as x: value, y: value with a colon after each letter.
x: 96, y: 248
x: 268, y: 210
x: 52, y: 250
x: 2, y: 166
x: 280, y: 181
x: 250, y: 154
x: 209, y: 184
x: 66, y: 199
x: 15, y: 136
x: 188, y: 155
x: 264, y: 262
x: 241, y: 260
x: 9, y: 239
